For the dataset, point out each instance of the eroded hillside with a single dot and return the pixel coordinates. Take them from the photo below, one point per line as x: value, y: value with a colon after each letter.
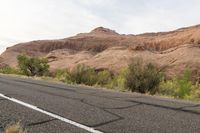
x: 106, y: 49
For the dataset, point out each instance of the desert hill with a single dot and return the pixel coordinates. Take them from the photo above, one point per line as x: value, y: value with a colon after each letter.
x: 103, y: 48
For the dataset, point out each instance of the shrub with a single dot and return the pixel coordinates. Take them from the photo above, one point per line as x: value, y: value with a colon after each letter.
x: 168, y: 88
x: 15, y: 128
x: 195, y: 93
x: 63, y: 75
x: 33, y: 66
x: 84, y: 75
x: 179, y: 87
x: 9, y: 70
x: 184, y: 84
x: 118, y: 81
x: 142, y: 77
x: 104, y: 77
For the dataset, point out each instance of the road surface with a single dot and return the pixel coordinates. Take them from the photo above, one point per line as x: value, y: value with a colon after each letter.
x: 45, y: 107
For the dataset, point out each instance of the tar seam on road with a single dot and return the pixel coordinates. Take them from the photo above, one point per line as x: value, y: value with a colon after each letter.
x: 51, y: 114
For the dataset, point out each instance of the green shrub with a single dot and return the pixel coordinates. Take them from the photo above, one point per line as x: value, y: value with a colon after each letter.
x: 118, y: 81
x: 84, y: 75
x: 103, y: 78
x: 33, y: 66
x: 9, y: 70
x: 184, y: 84
x: 143, y: 78
x: 168, y: 88
x: 180, y: 87
x: 195, y: 93
x: 63, y: 75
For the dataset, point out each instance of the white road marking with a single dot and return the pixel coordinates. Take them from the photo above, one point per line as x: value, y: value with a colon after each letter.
x: 51, y: 114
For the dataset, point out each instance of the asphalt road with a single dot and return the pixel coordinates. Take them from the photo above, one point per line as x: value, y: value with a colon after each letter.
x: 102, y: 110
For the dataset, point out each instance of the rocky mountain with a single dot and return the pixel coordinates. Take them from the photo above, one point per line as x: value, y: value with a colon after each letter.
x: 103, y: 48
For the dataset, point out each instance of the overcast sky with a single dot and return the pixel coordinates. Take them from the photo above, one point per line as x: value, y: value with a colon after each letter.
x: 26, y: 20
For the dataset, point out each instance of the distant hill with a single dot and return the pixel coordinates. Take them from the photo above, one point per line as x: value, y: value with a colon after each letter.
x: 103, y: 48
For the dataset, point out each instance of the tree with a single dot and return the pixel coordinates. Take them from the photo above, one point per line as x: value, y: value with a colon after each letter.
x: 33, y: 66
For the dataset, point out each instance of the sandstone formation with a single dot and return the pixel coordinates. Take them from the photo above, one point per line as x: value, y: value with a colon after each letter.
x: 103, y: 48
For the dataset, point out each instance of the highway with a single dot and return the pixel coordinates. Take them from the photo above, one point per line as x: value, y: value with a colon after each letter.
x: 45, y: 107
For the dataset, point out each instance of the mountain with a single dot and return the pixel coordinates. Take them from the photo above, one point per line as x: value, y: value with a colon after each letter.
x: 103, y: 48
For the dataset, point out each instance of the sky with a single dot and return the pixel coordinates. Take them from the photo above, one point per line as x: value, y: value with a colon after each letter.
x: 27, y: 20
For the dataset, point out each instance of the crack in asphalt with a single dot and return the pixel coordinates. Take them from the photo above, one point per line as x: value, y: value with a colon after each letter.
x: 168, y: 107
x: 108, y: 122
x: 118, y: 117
x: 40, y: 122
x: 101, y: 108
x: 62, y: 88
x: 3, y: 99
x: 50, y: 86
x: 145, y: 103
x: 79, y: 125
x: 30, y: 124
x: 192, y: 106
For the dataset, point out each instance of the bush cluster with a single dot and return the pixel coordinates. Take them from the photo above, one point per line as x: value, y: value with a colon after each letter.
x: 10, y: 70
x: 180, y: 87
x: 138, y: 77
x: 83, y: 74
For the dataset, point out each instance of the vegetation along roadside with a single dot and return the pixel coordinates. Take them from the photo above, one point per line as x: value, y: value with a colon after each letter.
x: 139, y: 77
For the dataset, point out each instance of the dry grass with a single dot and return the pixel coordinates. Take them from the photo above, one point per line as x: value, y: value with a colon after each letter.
x: 15, y: 128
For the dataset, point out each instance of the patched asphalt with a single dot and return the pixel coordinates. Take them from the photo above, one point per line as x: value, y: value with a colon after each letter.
x: 107, y: 111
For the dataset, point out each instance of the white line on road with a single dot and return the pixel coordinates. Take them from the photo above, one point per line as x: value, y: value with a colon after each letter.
x: 51, y: 114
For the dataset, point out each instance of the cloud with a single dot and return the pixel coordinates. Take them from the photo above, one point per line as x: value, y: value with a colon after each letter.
x: 26, y: 20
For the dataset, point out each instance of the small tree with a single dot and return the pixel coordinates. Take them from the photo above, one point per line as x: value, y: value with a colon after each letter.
x: 33, y: 66
x: 142, y: 77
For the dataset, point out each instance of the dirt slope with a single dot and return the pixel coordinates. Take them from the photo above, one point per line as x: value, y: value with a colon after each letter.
x: 106, y: 49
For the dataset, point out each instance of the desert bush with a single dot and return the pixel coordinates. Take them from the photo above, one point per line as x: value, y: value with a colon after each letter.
x: 63, y: 75
x: 15, y: 128
x: 118, y: 81
x: 103, y: 78
x: 33, y: 66
x: 10, y: 70
x: 195, y: 93
x: 184, y: 84
x: 168, y: 88
x: 142, y: 78
x: 180, y: 87
x: 83, y: 74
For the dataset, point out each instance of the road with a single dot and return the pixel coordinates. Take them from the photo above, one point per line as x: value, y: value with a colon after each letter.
x: 97, y: 109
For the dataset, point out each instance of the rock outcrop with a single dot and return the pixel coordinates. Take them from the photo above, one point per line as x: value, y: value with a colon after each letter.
x: 103, y: 48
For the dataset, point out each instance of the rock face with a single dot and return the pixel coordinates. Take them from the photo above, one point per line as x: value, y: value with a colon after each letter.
x: 106, y: 49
